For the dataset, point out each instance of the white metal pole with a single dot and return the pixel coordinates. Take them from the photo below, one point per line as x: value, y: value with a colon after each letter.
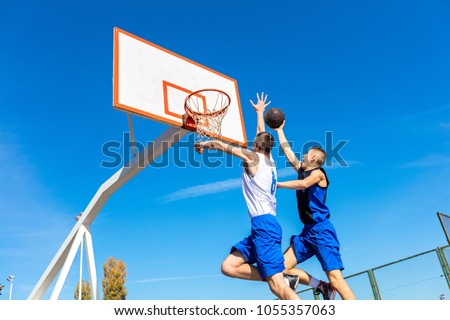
x: 81, y: 269
x: 64, y: 270
x: 11, y: 280
x: 133, y: 143
x: 166, y: 140
x: 90, y: 261
x: 10, y: 290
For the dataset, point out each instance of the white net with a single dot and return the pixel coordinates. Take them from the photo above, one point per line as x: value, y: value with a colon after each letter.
x: 207, y: 108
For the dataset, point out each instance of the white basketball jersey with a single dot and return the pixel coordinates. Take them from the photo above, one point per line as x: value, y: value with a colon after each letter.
x: 259, y: 191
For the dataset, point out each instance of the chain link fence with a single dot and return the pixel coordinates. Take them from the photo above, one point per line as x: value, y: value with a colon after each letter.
x: 424, y: 276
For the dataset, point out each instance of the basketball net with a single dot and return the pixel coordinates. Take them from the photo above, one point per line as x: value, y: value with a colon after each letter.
x: 207, y: 108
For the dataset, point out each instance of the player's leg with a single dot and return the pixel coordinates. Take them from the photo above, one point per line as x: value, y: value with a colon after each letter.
x: 290, y: 261
x: 235, y: 265
x: 266, y: 241
x: 279, y: 287
x: 327, y: 249
x: 338, y: 283
x: 299, y: 251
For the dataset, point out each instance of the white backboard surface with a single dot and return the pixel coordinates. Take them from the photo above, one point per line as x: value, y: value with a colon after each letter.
x: 153, y: 82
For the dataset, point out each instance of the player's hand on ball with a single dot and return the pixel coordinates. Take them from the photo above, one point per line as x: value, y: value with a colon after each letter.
x: 281, y: 127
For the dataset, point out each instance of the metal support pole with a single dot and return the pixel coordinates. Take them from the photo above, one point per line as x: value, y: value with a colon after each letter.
x: 166, y: 140
x: 316, y: 296
x: 65, y: 268
x: 10, y: 290
x: 374, y: 285
x: 11, y: 280
x: 133, y: 143
x: 81, y: 270
x: 90, y: 261
x: 444, y: 264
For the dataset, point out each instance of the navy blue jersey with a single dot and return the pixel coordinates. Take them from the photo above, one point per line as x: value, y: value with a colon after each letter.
x: 311, y: 202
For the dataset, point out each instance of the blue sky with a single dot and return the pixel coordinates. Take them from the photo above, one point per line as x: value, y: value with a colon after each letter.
x: 375, y: 74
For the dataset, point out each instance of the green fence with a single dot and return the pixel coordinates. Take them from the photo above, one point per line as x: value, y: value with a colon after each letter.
x: 424, y: 276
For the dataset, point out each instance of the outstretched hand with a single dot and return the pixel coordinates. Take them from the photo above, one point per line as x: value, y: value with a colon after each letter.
x: 261, y: 103
x: 201, y: 146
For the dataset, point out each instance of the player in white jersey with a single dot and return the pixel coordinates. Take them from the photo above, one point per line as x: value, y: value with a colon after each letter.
x: 263, y: 246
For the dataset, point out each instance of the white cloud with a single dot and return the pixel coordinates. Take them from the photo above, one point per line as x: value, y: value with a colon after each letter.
x: 34, y: 223
x: 444, y: 125
x: 286, y: 172
x: 203, y: 189
x: 214, y: 187
x: 426, y: 113
x: 22, y: 194
x: 175, y: 278
x: 431, y: 160
x: 226, y: 185
x: 420, y: 121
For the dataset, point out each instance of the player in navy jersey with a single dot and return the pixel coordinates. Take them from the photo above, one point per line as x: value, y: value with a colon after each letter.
x: 258, y: 256
x: 318, y: 237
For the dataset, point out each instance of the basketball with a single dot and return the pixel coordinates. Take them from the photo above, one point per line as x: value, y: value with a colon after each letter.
x: 274, y: 118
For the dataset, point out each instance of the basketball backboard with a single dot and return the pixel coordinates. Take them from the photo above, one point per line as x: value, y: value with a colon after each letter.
x: 153, y: 82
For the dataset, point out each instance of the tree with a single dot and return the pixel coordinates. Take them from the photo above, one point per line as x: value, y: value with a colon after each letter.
x: 113, y: 283
x: 85, y: 291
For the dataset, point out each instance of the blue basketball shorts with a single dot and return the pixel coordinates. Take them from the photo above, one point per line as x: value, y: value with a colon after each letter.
x: 263, y: 246
x: 321, y: 240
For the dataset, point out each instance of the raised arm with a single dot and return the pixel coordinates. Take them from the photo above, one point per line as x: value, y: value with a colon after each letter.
x: 259, y: 107
x: 287, y: 150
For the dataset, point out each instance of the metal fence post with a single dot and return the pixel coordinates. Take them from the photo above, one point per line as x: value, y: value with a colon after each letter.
x: 444, y: 264
x: 373, y: 283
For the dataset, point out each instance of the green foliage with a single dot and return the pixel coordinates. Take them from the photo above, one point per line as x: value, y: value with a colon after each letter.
x: 114, y: 274
x: 85, y: 291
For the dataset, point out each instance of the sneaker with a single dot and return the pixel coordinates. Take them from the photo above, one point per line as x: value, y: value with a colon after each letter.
x: 291, y: 280
x: 326, y: 290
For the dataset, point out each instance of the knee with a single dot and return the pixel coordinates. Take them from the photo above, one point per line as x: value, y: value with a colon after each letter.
x: 227, y: 269
x: 336, y: 280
